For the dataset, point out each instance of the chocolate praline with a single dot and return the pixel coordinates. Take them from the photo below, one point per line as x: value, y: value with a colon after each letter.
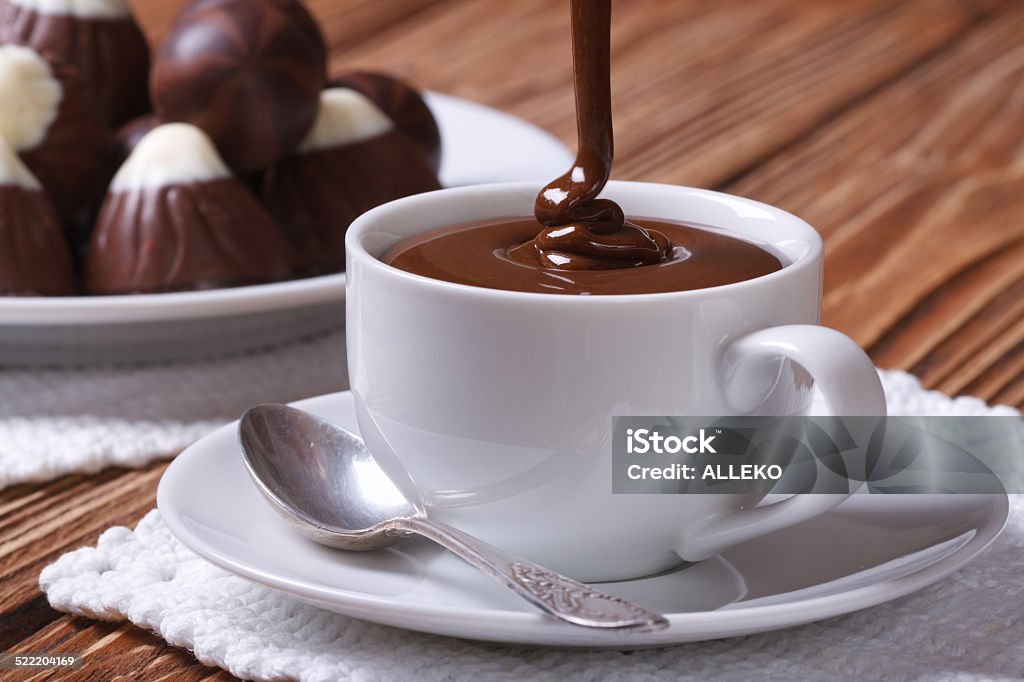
x: 247, y: 72
x: 56, y: 128
x: 120, y: 147
x: 404, y: 106
x: 100, y: 37
x: 175, y: 219
x: 126, y: 138
x: 34, y: 256
x: 353, y: 160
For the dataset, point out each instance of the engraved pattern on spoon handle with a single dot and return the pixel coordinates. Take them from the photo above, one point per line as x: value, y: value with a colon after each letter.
x: 555, y: 594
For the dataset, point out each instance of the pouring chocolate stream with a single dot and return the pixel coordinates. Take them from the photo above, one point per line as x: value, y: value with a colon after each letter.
x: 582, y: 232
x: 577, y: 243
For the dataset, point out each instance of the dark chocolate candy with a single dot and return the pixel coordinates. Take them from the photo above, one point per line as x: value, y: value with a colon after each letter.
x: 247, y: 72
x: 63, y: 138
x: 79, y: 228
x: 353, y: 161
x: 203, y: 235
x: 403, y: 105
x: 105, y: 44
x: 175, y: 219
x: 126, y: 138
x: 34, y: 256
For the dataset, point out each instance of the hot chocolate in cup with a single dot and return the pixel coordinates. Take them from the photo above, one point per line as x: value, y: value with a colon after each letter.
x: 494, y: 408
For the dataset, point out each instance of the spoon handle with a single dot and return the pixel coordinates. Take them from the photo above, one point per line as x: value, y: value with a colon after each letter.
x: 553, y: 593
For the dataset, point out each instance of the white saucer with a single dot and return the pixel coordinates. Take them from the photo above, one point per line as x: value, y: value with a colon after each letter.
x: 869, y: 550
x: 481, y: 145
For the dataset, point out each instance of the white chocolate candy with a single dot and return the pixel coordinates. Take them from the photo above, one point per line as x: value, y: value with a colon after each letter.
x: 171, y: 154
x: 82, y: 9
x: 30, y: 97
x: 13, y: 171
x: 345, y: 117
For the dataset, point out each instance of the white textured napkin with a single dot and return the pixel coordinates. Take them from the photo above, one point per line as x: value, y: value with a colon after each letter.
x: 59, y: 421
x: 969, y: 626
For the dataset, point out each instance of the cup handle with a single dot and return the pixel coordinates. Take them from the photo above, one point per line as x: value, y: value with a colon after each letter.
x: 849, y: 382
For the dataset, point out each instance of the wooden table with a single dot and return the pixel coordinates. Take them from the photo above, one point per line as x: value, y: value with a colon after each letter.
x: 895, y: 127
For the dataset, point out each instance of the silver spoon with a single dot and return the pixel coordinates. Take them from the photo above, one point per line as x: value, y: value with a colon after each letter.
x: 325, y: 482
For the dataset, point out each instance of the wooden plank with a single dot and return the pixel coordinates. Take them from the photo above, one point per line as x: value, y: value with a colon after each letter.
x: 944, y: 330
x: 918, y: 192
x: 880, y: 121
x: 702, y: 90
x: 1013, y: 392
x: 988, y: 356
x: 345, y: 23
x: 38, y: 524
x: 121, y: 648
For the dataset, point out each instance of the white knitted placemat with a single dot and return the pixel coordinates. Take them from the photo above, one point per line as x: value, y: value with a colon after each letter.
x: 969, y: 626
x: 59, y: 421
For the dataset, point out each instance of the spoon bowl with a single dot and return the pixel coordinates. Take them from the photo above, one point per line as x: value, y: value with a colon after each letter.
x: 322, y: 479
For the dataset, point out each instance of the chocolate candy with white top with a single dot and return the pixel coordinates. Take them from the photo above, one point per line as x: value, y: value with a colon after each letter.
x: 126, y: 138
x: 175, y: 219
x: 55, y: 128
x: 404, y: 106
x: 353, y: 160
x: 99, y: 37
x: 34, y: 256
x: 122, y: 143
x: 247, y: 72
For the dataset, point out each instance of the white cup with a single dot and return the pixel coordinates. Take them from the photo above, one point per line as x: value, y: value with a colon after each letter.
x: 496, y: 406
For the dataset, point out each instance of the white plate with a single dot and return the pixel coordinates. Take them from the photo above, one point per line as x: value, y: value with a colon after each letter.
x: 480, y: 144
x: 869, y: 550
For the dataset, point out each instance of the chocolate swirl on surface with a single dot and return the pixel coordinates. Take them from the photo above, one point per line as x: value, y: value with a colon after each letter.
x: 476, y: 254
x: 582, y: 232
